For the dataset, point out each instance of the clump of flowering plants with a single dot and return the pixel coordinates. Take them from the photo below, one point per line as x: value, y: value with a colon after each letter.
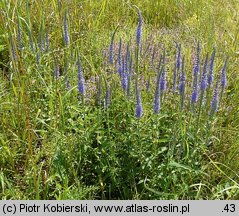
x: 133, y: 122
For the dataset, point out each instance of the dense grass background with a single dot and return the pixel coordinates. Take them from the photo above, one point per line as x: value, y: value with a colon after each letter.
x: 53, y: 146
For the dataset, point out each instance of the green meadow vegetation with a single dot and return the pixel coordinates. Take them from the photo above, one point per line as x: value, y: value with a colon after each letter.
x: 122, y: 99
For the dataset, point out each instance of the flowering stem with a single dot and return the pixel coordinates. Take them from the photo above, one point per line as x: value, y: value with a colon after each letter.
x: 200, y: 107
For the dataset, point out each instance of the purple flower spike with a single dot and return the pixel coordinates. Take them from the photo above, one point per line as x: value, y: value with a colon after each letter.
x: 215, y: 101
x: 139, y: 107
x: 139, y: 28
x: 157, y: 96
x: 163, y: 80
x: 224, y: 76
x: 111, y: 50
x: 157, y: 105
x: 194, y: 97
x: 119, y: 51
x: 178, y: 59
x: 196, y: 68
x: 139, y: 111
x: 129, y: 76
x: 120, y: 71
x: 182, y: 84
x: 174, y: 79
x: 120, y: 58
x: 81, y: 80
x: 66, y: 33
x: 203, y: 84
x: 125, y: 73
x: 210, y: 77
x: 127, y: 59
x: 124, y: 78
x: 182, y: 80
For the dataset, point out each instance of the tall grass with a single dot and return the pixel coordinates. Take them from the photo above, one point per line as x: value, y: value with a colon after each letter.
x: 56, y: 143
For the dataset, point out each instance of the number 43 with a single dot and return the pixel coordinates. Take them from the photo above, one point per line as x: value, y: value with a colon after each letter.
x: 230, y: 208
